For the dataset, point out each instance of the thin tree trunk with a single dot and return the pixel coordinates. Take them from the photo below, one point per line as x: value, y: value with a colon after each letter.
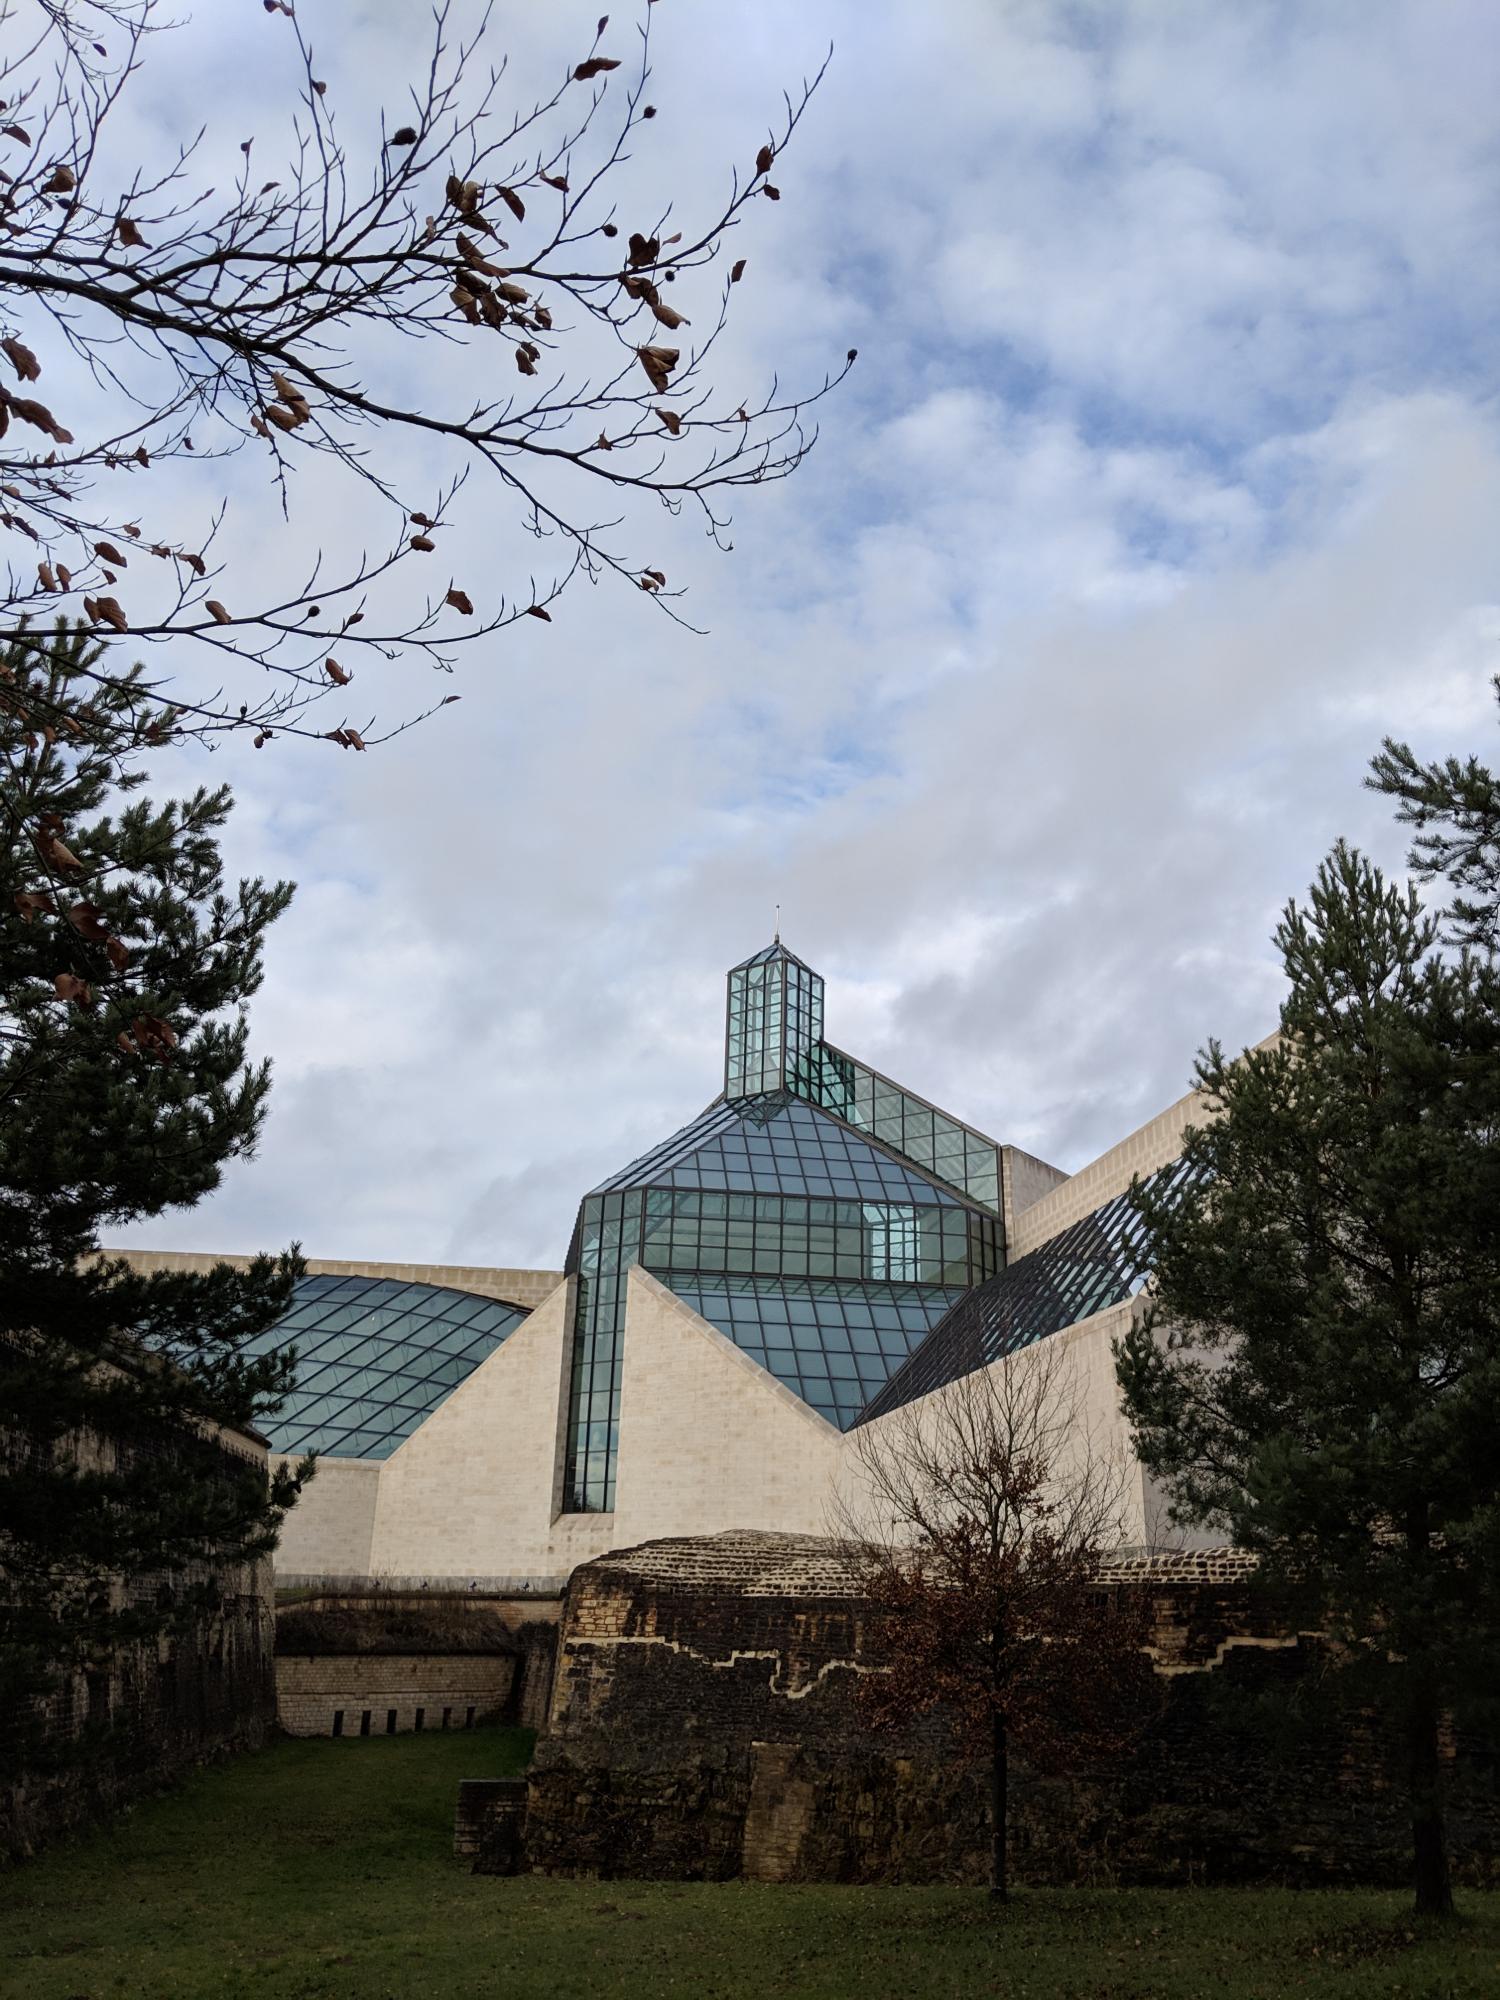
x: 999, y: 1806
x: 1429, y: 1838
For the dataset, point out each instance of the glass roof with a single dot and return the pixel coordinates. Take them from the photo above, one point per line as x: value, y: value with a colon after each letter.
x: 777, y: 1144
x: 771, y: 954
x: 1094, y: 1264
x: 374, y: 1357
x: 833, y: 1343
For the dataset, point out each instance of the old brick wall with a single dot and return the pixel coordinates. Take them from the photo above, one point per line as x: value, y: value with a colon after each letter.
x: 703, y: 1725
x: 132, y: 1724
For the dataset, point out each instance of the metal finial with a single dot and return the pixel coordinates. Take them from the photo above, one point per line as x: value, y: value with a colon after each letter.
x: 778, y: 924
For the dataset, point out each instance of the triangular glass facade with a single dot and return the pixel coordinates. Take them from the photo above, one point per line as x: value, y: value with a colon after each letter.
x: 824, y: 1238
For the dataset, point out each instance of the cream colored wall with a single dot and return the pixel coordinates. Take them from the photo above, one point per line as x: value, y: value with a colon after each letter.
x: 709, y: 1440
x: 1152, y: 1146
x: 1086, y: 1382
x: 472, y: 1491
x: 521, y: 1287
x: 328, y: 1532
x: 1024, y: 1179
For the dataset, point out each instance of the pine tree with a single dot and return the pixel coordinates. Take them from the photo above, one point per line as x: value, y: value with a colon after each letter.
x: 1454, y: 807
x: 125, y: 966
x: 1320, y: 1369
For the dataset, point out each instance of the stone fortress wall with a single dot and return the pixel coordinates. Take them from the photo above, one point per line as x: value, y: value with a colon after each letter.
x: 362, y: 1663
x: 108, y: 1734
x: 703, y: 1724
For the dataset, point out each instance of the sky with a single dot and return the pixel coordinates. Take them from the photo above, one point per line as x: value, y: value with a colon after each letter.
x: 1166, y: 485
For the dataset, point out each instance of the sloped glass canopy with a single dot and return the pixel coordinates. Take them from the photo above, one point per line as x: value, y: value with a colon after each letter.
x: 375, y: 1356
x: 832, y: 1343
x: 1098, y: 1262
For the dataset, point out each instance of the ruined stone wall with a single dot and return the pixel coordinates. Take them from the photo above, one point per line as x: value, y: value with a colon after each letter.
x: 704, y: 1725
x: 129, y: 1725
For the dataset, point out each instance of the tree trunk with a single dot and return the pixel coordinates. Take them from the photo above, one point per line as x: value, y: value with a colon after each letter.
x: 999, y: 1805
x: 1425, y: 1780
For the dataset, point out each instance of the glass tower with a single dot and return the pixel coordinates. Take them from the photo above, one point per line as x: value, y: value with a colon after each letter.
x: 818, y: 1215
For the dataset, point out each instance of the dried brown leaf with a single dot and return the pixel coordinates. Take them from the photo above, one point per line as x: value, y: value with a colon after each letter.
x: 109, y: 610
x: 539, y: 611
x: 671, y: 419
x: 71, y: 987
x: 61, y: 180
x: 128, y: 234
x: 107, y: 552
x: 513, y: 202
x: 595, y: 66
x: 88, y: 920
x: 404, y: 135
x: 336, y: 673
x: 424, y: 543
x: 460, y: 601
x: 216, y: 610
x: 21, y: 359
x: 764, y: 158
x: 737, y: 270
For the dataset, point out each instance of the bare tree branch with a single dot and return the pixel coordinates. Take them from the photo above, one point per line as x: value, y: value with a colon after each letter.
x: 264, y: 316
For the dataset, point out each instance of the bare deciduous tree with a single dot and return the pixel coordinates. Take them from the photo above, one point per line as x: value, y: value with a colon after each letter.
x: 979, y: 1522
x: 453, y: 274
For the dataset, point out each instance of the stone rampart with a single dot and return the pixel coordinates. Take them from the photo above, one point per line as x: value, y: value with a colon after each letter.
x: 704, y: 1725
x: 114, y: 1729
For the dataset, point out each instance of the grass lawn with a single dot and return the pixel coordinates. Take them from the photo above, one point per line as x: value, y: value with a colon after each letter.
x: 323, y: 1871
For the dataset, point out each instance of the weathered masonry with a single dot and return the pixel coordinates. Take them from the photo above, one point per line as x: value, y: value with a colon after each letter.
x: 702, y: 1726
x: 385, y: 1664
x: 115, y: 1729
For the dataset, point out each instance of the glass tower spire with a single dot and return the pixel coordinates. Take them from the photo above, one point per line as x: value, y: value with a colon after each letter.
x: 818, y: 1215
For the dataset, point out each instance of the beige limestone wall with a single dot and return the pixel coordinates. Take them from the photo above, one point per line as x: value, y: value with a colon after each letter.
x: 328, y: 1532
x: 1085, y: 1382
x: 473, y: 1491
x: 1152, y: 1146
x: 1024, y: 1179
x: 709, y: 1440
x: 517, y: 1286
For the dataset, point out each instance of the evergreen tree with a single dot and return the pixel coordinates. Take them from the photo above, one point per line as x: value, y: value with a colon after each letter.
x: 1320, y: 1369
x: 125, y: 966
x: 1454, y: 807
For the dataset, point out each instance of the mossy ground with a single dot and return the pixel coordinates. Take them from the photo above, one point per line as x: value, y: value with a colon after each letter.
x: 324, y: 1871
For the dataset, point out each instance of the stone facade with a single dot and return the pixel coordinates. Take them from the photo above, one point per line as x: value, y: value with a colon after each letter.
x: 703, y: 1725
x: 390, y: 1694
x: 126, y: 1728
x: 383, y: 1664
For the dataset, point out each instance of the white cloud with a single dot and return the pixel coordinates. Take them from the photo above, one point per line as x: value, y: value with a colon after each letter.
x: 1166, y: 484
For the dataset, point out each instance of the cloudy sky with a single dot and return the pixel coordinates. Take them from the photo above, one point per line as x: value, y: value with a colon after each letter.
x: 1167, y: 483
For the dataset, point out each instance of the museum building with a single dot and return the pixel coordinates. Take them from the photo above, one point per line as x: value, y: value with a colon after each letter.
x: 816, y: 1250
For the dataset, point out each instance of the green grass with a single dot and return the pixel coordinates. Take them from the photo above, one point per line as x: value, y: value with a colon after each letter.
x: 324, y: 1871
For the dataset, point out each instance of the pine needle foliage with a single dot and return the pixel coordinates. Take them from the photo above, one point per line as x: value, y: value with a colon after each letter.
x: 125, y: 1088
x: 1319, y: 1369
